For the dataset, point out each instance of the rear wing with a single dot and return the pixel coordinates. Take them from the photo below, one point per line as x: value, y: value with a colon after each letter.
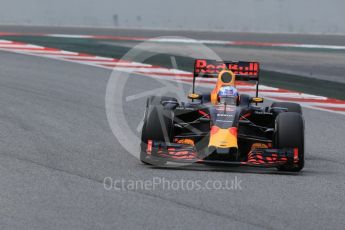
x: 244, y: 71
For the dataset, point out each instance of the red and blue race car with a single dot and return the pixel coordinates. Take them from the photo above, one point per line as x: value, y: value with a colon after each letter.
x: 223, y: 126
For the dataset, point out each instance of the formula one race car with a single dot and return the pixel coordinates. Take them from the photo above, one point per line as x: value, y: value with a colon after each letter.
x: 223, y: 127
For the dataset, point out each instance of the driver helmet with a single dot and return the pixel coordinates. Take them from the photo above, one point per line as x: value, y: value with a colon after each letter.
x: 228, y: 94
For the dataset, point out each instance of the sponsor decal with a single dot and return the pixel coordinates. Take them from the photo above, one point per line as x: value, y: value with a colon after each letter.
x: 214, y: 67
x: 224, y: 115
x: 259, y: 146
x: 186, y: 142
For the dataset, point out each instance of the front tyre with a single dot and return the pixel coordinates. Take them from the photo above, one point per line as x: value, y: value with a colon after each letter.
x: 158, y: 126
x: 289, y: 133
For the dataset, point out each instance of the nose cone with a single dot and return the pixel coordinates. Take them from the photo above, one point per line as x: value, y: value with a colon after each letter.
x: 223, y: 138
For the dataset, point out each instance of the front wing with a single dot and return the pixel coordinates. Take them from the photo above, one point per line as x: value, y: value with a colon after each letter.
x: 258, y: 157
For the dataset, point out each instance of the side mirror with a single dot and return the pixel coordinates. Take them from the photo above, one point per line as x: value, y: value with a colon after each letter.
x: 194, y: 96
x: 257, y: 100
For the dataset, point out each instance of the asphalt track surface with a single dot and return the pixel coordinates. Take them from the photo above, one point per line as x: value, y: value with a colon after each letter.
x: 305, y: 63
x: 263, y: 37
x: 319, y: 64
x: 56, y: 148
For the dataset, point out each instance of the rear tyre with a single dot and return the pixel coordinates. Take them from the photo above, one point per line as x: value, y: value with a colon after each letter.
x: 158, y: 126
x: 167, y: 102
x: 289, y: 133
x: 244, y: 100
x: 291, y: 107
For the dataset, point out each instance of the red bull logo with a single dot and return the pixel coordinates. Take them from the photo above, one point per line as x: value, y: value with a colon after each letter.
x: 215, y: 67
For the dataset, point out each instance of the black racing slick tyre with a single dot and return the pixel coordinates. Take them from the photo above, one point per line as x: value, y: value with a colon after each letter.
x: 291, y: 107
x: 244, y: 100
x: 289, y: 133
x: 166, y: 102
x: 158, y: 126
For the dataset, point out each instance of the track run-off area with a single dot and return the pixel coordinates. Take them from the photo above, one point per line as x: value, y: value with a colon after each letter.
x: 306, y: 100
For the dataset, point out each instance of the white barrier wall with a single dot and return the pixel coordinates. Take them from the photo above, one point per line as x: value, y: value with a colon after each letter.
x: 275, y: 16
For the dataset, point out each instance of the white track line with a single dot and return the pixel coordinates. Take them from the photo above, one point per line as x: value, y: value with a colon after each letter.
x: 196, y: 41
x: 173, y: 75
